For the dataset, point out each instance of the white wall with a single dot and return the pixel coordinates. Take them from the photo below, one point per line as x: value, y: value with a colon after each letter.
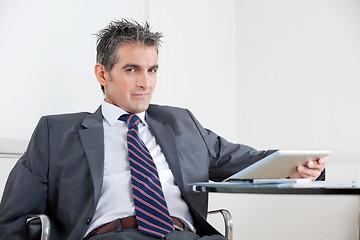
x: 285, y: 72
x: 48, y: 56
x: 197, y: 60
x: 296, y: 66
x: 298, y: 72
x: 289, y: 80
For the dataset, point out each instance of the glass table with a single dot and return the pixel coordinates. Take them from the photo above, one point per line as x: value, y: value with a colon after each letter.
x: 277, y: 188
x: 320, y: 187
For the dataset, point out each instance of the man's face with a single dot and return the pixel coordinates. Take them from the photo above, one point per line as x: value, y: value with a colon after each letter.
x: 131, y: 82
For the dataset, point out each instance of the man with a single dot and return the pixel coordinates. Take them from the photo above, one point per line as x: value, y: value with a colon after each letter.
x: 82, y: 169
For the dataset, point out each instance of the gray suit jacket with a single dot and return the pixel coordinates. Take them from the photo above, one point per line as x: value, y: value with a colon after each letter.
x: 61, y: 172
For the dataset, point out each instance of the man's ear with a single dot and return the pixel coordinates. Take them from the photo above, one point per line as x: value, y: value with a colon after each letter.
x: 101, y: 74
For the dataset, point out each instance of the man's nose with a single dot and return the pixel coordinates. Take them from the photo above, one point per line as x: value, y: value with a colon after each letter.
x: 143, y: 80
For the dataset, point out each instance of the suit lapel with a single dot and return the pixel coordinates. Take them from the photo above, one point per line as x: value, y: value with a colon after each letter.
x: 92, y: 138
x: 165, y: 137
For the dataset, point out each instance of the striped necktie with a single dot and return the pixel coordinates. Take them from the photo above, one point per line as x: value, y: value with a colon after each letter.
x: 150, y: 206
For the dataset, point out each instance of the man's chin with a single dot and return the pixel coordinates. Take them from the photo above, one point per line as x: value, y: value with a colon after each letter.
x: 139, y: 108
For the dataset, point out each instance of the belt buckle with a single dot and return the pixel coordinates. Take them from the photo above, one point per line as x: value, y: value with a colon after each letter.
x: 178, y: 228
x: 181, y: 227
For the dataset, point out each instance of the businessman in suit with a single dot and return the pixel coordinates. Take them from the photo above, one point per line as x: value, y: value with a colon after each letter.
x: 78, y: 169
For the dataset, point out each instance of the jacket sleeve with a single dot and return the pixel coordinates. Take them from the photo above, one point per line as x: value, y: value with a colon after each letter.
x: 227, y: 158
x: 26, y: 188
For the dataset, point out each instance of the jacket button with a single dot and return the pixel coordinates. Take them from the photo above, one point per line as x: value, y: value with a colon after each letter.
x: 88, y: 220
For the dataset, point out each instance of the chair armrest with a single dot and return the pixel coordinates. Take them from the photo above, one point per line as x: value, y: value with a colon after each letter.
x: 38, y: 227
x: 227, y: 221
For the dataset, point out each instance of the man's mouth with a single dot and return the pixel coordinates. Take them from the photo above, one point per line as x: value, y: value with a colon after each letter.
x: 140, y: 94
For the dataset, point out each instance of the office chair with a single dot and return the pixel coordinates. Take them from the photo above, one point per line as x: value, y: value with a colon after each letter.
x: 227, y: 222
x: 38, y: 226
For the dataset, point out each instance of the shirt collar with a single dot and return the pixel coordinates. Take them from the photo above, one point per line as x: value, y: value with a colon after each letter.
x: 111, y: 113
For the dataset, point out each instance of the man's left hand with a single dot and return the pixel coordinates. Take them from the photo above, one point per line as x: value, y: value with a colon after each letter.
x: 312, y: 169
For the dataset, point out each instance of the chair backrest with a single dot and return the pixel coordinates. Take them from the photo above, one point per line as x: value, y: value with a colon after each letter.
x: 6, y: 164
x: 10, y: 151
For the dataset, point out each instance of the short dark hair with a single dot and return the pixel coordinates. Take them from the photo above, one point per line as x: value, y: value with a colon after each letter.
x: 121, y: 32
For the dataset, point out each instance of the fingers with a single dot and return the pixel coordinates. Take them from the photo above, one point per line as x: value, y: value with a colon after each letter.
x: 296, y: 175
x: 312, y: 169
x: 323, y: 160
x: 306, y: 172
x: 315, y: 164
x: 302, y: 175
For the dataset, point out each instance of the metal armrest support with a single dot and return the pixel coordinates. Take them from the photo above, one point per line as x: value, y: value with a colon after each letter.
x: 38, y: 227
x: 227, y: 221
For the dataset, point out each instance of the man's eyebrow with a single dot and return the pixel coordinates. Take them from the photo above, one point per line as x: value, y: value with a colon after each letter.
x: 131, y: 65
x: 154, y: 66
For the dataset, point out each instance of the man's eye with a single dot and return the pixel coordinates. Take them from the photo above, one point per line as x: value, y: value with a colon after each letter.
x: 153, y: 70
x: 131, y: 70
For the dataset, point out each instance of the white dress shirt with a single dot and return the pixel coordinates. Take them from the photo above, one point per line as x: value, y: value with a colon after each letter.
x: 116, y: 199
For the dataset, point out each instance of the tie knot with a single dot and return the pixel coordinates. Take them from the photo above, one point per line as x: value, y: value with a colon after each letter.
x: 130, y: 119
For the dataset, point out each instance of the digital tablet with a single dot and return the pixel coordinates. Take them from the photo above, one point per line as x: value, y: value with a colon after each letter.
x: 279, y: 164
